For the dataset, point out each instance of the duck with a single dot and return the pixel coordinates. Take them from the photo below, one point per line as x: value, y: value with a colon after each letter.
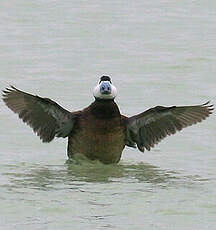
x: 100, y: 131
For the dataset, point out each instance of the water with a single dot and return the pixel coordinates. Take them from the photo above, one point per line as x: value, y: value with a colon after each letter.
x: 158, y: 53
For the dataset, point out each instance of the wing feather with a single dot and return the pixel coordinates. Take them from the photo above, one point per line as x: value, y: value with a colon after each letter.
x: 46, y: 117
x: 150, y: 127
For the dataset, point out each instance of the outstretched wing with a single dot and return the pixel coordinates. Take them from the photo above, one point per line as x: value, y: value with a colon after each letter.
x: 47, y: 118
x: 150, y: 127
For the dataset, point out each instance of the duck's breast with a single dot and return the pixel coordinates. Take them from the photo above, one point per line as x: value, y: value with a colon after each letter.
x: 102, y: 139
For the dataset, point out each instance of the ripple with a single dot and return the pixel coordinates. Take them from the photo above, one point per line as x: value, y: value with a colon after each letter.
x: 76, y: 176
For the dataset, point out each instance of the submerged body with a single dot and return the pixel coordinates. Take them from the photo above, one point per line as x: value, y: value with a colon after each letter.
x: 100, y: 131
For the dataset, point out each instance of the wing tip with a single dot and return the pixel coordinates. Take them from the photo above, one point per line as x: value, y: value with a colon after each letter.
x: 8, y: 90
x: 209, y: 107
x: 207, y: 104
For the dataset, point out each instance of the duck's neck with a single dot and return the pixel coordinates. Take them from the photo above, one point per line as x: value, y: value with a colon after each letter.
x: 105, y: 109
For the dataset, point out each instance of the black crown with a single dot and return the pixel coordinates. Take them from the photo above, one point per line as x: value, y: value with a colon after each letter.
x: 105, y: 78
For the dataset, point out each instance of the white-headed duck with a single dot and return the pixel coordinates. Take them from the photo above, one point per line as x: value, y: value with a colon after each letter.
x: 100, y: 131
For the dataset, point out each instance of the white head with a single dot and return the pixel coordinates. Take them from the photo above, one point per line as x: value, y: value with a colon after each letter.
x: 105, y: 90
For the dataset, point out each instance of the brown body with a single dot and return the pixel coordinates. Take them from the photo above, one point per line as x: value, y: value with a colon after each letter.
x: 99, y: 133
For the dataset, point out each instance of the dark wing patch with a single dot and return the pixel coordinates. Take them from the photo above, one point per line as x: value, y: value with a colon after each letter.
x: 150, y: 127
x: 46, y: 117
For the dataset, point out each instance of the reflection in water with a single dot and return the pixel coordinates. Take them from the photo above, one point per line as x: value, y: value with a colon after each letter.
x: 94, y: 171
x: 76, y: 173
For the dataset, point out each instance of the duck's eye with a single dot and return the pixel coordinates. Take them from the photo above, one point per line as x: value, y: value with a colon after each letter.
x: 103, y: 88
x: 108, y: 88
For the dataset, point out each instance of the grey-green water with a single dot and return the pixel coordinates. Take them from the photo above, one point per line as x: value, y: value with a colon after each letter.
x: 158, y: 53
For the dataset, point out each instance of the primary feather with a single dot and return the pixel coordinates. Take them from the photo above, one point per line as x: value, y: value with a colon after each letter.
x: 148, y: 128
x: 46, y: 117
